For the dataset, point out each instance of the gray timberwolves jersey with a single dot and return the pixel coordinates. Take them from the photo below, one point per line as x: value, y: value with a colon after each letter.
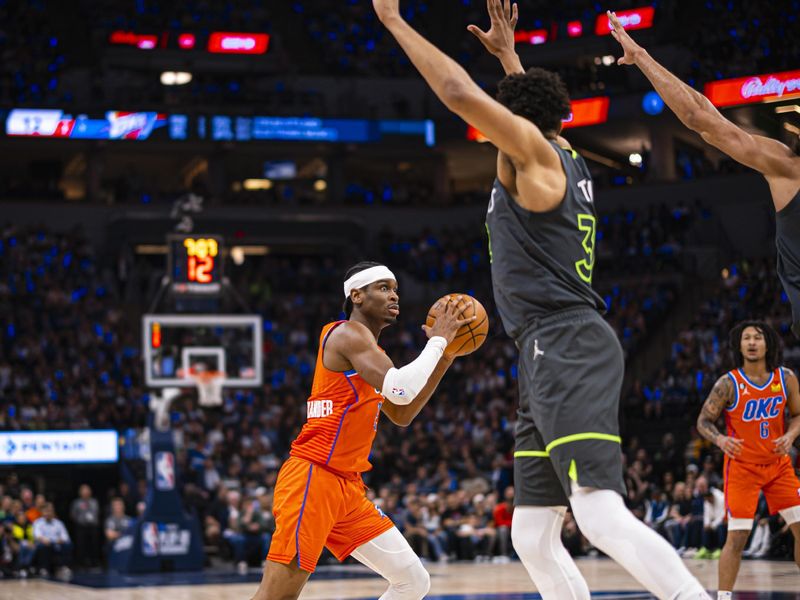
x: 543, y: 262
x: 787, y: 238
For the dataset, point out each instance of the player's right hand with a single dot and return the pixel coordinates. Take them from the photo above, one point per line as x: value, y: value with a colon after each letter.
x: 500, y: 37
x: 730, y: 445
x: 631, y: 48
x: 448, y: 318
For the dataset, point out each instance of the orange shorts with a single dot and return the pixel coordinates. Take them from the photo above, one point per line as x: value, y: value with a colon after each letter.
x: 744, y: 481
x: 315, y: 507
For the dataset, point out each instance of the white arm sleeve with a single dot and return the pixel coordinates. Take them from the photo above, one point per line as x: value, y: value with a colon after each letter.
x: 401, y: 386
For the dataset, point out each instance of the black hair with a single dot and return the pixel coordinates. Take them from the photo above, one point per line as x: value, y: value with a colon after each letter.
x: 538, y: 95
x: 347, y: 307
x: 774, y: 353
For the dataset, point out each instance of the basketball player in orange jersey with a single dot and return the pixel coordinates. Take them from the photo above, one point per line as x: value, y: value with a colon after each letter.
x: 319, y: 496
x: 754, y: 397
x: 774, y: 160
x: 541, y: 222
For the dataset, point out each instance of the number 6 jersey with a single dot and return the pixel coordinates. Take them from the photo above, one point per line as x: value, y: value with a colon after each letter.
x: 543, y: 262
x: 757, y: 416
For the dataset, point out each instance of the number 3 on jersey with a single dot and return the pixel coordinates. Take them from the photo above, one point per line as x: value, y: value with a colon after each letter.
x: 588, y: 224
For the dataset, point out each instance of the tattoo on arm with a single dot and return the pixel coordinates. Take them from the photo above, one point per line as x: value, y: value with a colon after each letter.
x: 720, y: 397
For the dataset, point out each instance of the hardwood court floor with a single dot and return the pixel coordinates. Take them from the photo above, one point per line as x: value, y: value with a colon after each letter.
x: 768, y: 581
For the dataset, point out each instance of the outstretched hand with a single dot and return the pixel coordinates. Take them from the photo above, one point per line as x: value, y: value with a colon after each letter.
x: 500, y: 37
x: 631, y: 49
x: 386, y: 9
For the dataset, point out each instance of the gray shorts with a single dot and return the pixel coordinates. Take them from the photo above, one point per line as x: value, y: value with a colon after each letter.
x: 570, y: 377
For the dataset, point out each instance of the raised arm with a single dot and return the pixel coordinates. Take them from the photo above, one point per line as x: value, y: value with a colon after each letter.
x: 515, y: 136
x: 784, y: 443
x: 499, y: 40
x: 766, y: 155
x: 721, y: 396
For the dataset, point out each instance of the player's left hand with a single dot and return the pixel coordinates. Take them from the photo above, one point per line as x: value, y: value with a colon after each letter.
x: 783, y: 444
x: 631, y: 48
x: 386, y: 9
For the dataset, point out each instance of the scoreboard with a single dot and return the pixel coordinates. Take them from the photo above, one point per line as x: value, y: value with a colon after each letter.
x: 195, y: 264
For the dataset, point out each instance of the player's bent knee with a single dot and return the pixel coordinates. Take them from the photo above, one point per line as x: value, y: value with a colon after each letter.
x: 412, y: 583
x: 421, y: 580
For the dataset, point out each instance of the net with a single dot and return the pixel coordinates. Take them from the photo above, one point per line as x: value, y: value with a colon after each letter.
x: 209, y: 387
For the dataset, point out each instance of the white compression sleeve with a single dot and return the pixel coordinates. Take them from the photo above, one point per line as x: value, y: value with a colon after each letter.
x: 536, y: 535
x: 608, y: 525
x: 390, y: 556
x: 402, y: 385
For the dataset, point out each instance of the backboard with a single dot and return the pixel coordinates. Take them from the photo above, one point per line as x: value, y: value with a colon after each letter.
x: 176, y: 346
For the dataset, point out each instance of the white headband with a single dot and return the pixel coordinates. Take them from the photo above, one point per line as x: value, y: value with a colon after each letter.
x: 365, y: 277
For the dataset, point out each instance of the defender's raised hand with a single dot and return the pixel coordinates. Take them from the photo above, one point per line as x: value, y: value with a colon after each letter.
x: 386, y: 9
x: 500, y: 37
x: 632, y: 49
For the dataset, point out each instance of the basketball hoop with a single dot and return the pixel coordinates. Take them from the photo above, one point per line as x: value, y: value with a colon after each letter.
x: 209, y: 387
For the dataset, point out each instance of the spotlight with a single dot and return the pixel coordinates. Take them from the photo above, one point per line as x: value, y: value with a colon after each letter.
x: 175, y: 78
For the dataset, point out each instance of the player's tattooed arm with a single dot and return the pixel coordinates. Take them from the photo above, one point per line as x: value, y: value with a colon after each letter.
x: 721, y: 397
x: 784, y: 443
x: 499, y: 40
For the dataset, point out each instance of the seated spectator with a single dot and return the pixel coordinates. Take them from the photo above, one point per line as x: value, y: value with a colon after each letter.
x: 53, y: 544
x: 255, y: 529
x: 117, y: 523
x: 657, y: 511
x: 571, y: 536
x: 503, y: 513
x: 714, y: 527
x: 85, y: 515
x: 414, y: 530
x: 22, y: 531
x: 9, y: 549
x: 679, y: 516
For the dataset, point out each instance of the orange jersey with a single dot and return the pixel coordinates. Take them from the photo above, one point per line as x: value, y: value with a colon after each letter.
x: 757, y: 416
x: 341, y: 418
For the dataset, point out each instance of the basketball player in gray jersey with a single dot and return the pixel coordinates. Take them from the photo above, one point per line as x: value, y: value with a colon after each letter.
x: 541, y: 221
x: 774, y: 160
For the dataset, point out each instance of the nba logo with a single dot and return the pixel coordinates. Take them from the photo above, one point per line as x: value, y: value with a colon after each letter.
x: 149, y: 539
x: 165, y: 471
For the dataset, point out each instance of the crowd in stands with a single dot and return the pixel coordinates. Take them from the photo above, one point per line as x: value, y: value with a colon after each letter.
x: 727, y: 39
x: 69, y: 358
x: 33, y: 57
x: 699, y: 353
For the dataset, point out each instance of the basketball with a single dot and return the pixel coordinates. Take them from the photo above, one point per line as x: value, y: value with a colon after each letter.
x: 470, y: 336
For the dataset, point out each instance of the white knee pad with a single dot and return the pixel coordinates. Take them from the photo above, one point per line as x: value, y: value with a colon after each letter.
x: 536, y: 536
x: 391, y: 557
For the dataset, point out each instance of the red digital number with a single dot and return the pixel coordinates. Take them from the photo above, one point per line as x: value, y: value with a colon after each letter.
x: 200, y: 269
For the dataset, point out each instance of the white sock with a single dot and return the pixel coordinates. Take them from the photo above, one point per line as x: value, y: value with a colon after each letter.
x: 724, y: 595
x: 606, y: 523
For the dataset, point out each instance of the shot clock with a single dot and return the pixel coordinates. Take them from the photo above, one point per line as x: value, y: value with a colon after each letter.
x: 195, y: 264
